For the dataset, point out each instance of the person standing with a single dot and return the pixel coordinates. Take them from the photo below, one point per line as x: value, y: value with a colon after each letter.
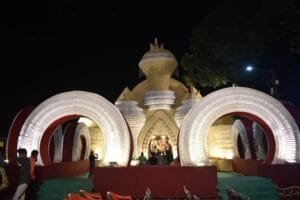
x: 153, y: 156
x: 33, y: 186
x: 142, y: 159
x: 92, y: 159
x: 24, y: 176
x: 169, y: 154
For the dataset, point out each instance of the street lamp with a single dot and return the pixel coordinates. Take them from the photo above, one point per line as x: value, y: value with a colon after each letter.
x: 273, y: 82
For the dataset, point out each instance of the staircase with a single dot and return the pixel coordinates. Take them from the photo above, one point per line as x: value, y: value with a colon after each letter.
x: 254, y: 187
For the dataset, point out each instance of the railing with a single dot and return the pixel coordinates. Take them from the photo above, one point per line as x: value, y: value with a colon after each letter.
x: 289, y: 193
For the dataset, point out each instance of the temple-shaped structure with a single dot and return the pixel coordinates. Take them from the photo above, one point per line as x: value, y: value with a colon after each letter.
x: 158, y: 114
x: 163, y: 119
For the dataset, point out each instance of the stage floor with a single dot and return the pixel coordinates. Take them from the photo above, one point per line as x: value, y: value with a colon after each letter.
x: 57, y: 189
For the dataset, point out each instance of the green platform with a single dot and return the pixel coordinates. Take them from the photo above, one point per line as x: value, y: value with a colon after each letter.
x: 254, y: 187
x: 257, y: 188
x: 58, y: 189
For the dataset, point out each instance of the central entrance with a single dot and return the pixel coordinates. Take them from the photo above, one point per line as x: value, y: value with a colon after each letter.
x: 159, y: 131
x: 160, y: 150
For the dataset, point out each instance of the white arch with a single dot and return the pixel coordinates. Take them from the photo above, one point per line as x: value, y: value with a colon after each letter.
x: 58, y: 144
x: 258, y: 135
x: 81, y: 103
x: 81, y: 130
x: 238, y: 128
x: 194, y: 130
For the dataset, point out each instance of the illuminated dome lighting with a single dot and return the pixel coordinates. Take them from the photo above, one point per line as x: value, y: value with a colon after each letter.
x: 80, y: 103
x: 194, y: 130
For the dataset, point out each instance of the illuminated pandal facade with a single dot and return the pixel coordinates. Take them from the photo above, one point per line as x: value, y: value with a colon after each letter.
x: 200, y: 129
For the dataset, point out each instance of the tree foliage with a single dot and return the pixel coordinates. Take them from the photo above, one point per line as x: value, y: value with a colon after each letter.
x: 264, y: 33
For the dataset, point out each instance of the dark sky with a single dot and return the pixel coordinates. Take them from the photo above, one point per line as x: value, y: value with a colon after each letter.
x: 50, y: 47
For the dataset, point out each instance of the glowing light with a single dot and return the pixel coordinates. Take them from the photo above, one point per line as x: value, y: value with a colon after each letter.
x: 134, y: 162
x: 58, y: 144
x: 86, y: 121
x: 249, y: 68
x: 81, y: 103
x: 228, y: 155
x: 258, y: 141
x: 238, y: 128
x: 220, y: 153
x: 81, y: 130
x: 135, y: 117
x: 195, y: 127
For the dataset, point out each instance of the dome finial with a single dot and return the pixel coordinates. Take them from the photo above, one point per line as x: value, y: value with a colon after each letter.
x: 156, y: 46
x: 158, y: 60
x: 156, y: 41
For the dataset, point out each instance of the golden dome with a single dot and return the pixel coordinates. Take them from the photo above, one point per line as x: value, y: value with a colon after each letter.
x: 158, y: 61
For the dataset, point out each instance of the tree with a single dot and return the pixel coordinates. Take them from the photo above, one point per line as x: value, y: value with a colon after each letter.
x: 264, y: 33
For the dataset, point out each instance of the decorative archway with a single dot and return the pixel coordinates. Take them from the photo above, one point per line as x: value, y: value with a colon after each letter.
x: 81, y: 143
x: 58, y: 144
x: 162, y: 120
x: 84, y: 150
x: 258, y: 135
x: 238, y: 128
x: 68, y: 142
x: 78, y: 103
x: 194, y: 130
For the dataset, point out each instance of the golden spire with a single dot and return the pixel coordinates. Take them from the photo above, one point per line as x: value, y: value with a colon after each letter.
x: 193, y: 93
x: 126, y: 95
x: 155, y: 46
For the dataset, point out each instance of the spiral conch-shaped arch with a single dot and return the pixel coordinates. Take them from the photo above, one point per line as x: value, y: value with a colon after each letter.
x: 238, y: 128
x: 81, y: 142
x: 58, y: 144
x: 194, y: 131
x: 79, y: 103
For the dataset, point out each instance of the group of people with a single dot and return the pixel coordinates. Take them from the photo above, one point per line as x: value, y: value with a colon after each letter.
x: 160, y: 153
x: 27, y: 186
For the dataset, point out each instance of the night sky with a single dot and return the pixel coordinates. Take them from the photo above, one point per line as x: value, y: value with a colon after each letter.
x: 49, y: 47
